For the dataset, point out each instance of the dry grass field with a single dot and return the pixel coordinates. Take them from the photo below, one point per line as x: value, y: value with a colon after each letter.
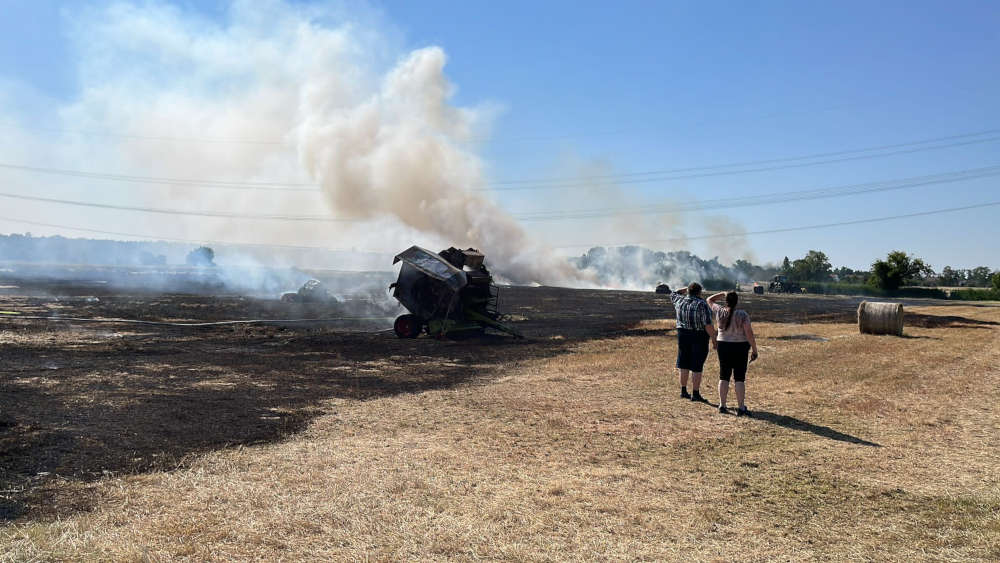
x: 263, y: 444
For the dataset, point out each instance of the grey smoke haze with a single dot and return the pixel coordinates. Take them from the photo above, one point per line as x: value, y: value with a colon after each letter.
x: 322, y: 103
x: 277, y: 94
x: 637, y: 268
x: 68, y: 264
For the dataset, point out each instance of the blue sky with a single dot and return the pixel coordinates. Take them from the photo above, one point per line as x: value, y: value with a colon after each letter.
x: 638, y: 86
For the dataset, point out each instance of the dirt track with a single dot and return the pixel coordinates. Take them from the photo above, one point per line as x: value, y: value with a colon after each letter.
x: 82, y: 400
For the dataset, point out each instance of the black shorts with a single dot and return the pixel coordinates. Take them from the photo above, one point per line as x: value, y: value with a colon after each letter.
x: 733, y: 360
x: 692, y: 349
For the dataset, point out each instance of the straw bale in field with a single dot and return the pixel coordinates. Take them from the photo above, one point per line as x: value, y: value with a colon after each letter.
x: 880, y: 318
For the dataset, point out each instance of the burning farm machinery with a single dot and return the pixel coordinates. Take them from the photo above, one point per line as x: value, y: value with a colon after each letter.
x: 313, y: 291
x: 450, y: 293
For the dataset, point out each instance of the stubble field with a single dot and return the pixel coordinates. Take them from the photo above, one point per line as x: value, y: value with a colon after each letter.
x: 320, y: 442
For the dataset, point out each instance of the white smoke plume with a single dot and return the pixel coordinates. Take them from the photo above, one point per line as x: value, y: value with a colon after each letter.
x: 279, y: 92
x: 400, y: 152
x: 271, y: 92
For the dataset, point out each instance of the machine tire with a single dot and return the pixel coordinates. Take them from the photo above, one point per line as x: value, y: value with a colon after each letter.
x: 407, y: 326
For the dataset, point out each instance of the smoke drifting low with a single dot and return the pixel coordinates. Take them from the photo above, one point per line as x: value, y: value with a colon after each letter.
x: 637, y: 268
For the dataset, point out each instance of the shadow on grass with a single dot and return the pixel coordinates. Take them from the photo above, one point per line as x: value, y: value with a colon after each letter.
x: 945, y: 321
x: 812, y: 337
x: 645, y: 332
x: 793, y: 423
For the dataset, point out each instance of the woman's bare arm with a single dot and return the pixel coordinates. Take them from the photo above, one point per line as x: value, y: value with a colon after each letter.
x: 715, y: 297
x: 748, y: 332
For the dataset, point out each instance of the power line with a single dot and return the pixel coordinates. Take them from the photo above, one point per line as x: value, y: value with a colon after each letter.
x: 13, y: 125
x: 772, y: 198
x: 747, y: 201
x: 225, y: 184
x: 161, y: 211
x: 758, y: 162
x: 146, y: 137
x: 742, y: 171
x: 548, y: 183
x: 174, y: 239
x: 792, y: 229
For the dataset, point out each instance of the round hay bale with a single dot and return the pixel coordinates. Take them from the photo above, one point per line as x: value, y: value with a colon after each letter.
x: 880, y: 318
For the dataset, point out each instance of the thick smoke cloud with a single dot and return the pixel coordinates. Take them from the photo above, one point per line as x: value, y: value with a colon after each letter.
x: 400, y: 152
x: 272, y: 92
x: 319, y: 102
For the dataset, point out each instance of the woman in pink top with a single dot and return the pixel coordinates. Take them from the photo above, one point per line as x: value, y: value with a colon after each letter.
x: 735, y: 338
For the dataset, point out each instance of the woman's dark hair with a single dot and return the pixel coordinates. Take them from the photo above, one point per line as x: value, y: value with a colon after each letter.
x: 732, y: 298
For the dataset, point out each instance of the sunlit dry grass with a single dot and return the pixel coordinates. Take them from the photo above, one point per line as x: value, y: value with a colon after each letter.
x: 863, y: 447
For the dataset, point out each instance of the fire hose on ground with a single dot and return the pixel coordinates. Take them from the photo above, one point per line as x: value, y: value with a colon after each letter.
x: 16, y: 315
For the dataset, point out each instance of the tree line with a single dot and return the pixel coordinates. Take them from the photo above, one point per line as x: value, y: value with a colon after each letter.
x: 896, y: 270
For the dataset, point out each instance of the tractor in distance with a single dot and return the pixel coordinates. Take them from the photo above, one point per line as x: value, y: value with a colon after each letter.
x: 781, y: 284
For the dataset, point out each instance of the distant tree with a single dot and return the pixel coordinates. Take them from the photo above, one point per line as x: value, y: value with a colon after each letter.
x: 949, y: 277
x: 814, y: 266
x: 896, y: 270
x: 201, y: 256
x: 848, y: 275
x: 979, y: 277
x: 786, y: 266
x: 995, y: 279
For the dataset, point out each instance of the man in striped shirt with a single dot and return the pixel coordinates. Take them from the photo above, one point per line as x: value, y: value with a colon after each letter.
x: 694, y: 330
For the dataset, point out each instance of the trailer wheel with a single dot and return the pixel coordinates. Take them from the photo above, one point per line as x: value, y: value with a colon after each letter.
x: 407, y: 326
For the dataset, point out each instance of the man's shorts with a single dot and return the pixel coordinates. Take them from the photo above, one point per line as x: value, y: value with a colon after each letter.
x: 692, y: 349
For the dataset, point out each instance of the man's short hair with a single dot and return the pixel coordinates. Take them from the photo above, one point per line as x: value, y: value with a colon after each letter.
x: 694, y: 289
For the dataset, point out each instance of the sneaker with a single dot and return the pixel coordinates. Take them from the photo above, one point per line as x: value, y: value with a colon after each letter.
x: 723, y: 409
x: 696, y: 396
x: 742, y: 411
x: 685, y: 394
